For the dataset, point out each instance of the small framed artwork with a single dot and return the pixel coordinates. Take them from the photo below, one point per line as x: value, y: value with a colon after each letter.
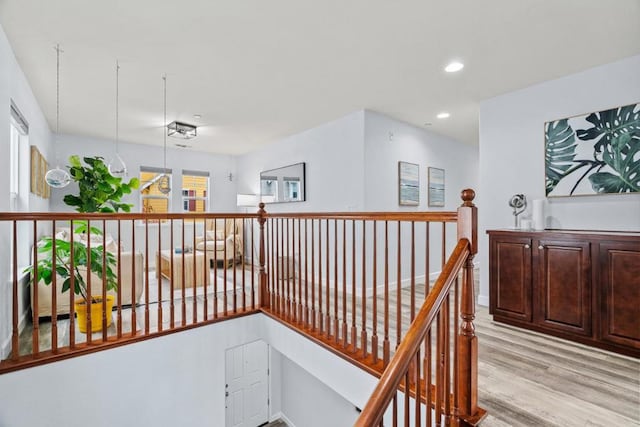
x: 408, y: 184
x: 435, y: 187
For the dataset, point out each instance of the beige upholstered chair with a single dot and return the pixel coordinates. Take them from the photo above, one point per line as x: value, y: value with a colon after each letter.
x: 224, y: 241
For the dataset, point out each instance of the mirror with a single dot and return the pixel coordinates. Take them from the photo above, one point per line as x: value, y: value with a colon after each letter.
x: 284, y: 184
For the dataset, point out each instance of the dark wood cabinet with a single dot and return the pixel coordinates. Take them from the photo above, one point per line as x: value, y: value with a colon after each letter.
x: 583, y: 286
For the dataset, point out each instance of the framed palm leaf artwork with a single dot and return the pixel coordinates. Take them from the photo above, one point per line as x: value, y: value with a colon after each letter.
x: 596, y: 153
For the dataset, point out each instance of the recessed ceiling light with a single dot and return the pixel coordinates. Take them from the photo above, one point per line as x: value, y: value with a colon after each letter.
x: 443, y: 115
x: 454, y: 66
x: 197, y: 116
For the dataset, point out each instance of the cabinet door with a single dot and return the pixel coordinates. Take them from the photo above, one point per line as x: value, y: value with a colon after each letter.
x: 564, y: 280
x: 620, y: 297
x: 510, y: 277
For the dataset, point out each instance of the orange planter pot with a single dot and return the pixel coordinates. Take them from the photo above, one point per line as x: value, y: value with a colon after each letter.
x: 96, y: 314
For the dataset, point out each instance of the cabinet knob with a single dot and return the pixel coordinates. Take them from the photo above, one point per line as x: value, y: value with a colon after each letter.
x: 540, y: 247
x: 527, y: 246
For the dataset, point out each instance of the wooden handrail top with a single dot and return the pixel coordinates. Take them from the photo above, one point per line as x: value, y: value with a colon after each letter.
x: 394, y: 373
x: 372, y: 216
x: 75, y: 216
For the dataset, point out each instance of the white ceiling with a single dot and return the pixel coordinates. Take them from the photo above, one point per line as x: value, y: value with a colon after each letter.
x: 261, y: 70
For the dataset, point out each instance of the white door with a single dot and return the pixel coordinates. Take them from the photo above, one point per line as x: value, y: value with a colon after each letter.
x: 247, y: 387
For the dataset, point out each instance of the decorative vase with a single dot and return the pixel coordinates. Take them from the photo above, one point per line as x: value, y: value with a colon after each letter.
x: 96, y: 313
x: 537, y: 215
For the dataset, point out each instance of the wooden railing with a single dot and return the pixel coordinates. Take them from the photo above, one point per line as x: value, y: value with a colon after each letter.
x: 352, y: 282
x: 200, y: 278
x: 437, y: 381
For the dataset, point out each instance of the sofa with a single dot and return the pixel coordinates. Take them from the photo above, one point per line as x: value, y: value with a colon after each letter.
x: 223, y: 242
x: 128, y: 261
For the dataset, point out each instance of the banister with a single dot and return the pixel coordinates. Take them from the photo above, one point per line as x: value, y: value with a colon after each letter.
x: 394, y: 374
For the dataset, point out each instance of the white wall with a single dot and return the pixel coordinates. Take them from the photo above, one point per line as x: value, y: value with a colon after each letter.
x: 177, y: 379
x: 222, y: 191
x: 334, y: 158
x: 307, y: 402
x: 14, y: 85
x: 512, y: 152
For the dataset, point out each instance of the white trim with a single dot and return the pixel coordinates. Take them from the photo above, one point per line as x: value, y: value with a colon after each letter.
x: 483, y: 300
x: 284, y: 418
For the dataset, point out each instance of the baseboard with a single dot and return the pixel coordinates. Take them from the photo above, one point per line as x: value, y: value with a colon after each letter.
x: 284, y: 418
x: 483, y: 300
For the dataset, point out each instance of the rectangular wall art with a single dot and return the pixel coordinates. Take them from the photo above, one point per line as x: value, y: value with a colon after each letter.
x: 408, y: 184
x: 436, y: 187
x: 596, y: 153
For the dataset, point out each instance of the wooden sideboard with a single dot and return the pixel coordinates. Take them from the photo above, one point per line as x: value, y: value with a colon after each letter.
x: 578, y: 285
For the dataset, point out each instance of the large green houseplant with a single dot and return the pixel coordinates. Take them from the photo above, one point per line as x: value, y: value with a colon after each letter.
x: 99, y: 191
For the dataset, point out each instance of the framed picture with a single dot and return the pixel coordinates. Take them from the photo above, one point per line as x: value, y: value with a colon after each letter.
x: 35, y: 169
x: 435, y: 187
x: 596, y: 153
x: 408, y: 184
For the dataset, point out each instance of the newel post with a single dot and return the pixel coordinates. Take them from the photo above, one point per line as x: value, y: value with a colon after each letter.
x: 264, y: 289
x: 467, y: 386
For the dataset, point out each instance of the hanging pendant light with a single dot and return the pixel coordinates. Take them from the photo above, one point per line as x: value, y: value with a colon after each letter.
x: 164, y: 183
x: 117, y: 167
x: 58, y: 177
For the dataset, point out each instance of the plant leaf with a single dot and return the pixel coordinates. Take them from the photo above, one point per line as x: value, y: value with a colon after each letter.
x: 622, y: 154
x: 560, y: 152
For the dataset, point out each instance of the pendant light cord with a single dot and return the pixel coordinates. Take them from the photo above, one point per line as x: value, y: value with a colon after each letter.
x: 58, y: 50
x: 117, y: 105
x: 164, y: 128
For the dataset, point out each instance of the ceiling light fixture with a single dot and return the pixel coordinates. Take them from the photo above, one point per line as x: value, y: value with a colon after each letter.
x: 443, y: 115
x: 197, y: 116
x: 58, y: 177
x: 117, y: 167
x: 182, y: 130
x: 454, y: 67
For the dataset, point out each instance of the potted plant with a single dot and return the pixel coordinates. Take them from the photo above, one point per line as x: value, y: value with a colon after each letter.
x: 99, y: 191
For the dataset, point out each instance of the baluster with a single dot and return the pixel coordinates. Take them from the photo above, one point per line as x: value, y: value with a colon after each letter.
x: 446, y: 320
x: 363, y: 332
x: 89, y: 298
x: 344, y: 284
x: 104, y: 281
x: 427, y: 268
x: 281, y: 274
x: 320, y: 314
x: 195, y: 274
x: 35, y: 333
x: 15, y: 341
x: 386, y: 343
x: 253, y: 277
x: 443, y: 255
x: 172, y: 307
x: 374, y: 320
x: 399, y: 288
x: 183, y: 304
x: 395, y: 410
x: 119, y: 293
x: 293, y: 308
x: 354, y: 329
x: 159, y: 275
x: 54, y: 292
x: 72, y: 290
x: 271, y: 263
x: 308, y: 313
x: 456, y: 313
x: 413, y: 270
x: 427, y: 375
x: 327, y: 321
x: 418, y: 383
x: 287, y: 272
x: 336, y: 322
x: 299, y: 274
x: 313, y: 278
x: 439, y: 369
x: 233, y: 263
x: 242, y: 264
x: 407, y: 395
x: 134, y: 326
x: 146, y: 276
x: 265, y: 300
x: 224, y: 271
x: 205, y: 266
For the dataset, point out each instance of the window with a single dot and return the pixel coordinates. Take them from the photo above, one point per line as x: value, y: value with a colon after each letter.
x: 18, y: 149
x: 195, y: 191
x: 151, y: 199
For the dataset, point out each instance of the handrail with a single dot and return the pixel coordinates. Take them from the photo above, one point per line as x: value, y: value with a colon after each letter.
x: 444, y: 216
x: 383, y: 394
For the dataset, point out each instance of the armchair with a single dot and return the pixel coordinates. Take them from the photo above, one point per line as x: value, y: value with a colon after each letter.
x: 224, y: 241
